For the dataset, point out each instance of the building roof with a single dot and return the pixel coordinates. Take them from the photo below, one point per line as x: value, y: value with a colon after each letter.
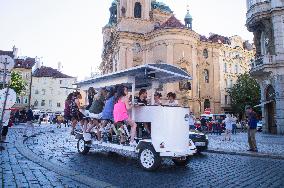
x: 161, y: 6
x: 49, y: 72
x: 172, y: 22
x: 219, y: 39
x: 8, y: 53
x: 26, y: 63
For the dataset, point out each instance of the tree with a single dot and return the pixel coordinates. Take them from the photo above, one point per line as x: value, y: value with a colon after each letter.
x: 17, y: 83
x: 245, y: 92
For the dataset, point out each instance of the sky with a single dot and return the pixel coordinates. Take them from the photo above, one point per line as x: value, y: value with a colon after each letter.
x: 70, y: 31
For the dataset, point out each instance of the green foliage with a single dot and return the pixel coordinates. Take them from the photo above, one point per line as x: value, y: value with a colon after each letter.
x: 17, y: 83
x: 245, y: 92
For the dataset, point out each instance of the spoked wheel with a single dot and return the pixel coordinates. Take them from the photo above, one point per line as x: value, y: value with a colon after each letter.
x: 82, y: 148
x: 181, y: 162
x: 149, y: 159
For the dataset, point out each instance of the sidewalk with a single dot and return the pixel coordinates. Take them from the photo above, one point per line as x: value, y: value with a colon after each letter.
x: 268, y: 145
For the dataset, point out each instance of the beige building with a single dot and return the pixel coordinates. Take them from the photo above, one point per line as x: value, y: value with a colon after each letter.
x: 265, y: 18
x: 146, y: 31
x: 50, y: 89
x: 24, y: 67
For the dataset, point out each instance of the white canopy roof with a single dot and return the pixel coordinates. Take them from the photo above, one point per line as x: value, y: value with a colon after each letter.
x: 142, y: 76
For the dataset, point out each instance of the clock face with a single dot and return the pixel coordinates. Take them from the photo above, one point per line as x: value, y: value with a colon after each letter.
x: 11, y: 98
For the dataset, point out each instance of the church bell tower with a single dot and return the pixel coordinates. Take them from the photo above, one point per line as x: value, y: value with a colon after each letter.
x: 136, y: 9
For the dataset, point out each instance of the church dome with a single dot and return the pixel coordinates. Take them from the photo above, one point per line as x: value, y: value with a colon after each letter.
x: 161, y: 6
x: 188, y: 16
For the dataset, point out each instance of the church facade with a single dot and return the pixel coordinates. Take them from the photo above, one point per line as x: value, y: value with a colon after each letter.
x: 146, y: 31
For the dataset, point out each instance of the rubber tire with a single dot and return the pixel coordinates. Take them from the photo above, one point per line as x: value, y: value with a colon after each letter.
x: 157, y: 158
x: 181, y: 162
x: 86, y: 149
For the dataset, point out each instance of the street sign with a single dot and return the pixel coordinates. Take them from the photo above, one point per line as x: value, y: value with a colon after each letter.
x: 5, y: 59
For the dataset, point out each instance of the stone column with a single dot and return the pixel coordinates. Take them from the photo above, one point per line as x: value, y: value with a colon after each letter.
x: 278, y: 25
x: 122, y: 58
x: 170, y: 53
x: 279, y: 114
x: 263, y: 110
x: 129, y: 57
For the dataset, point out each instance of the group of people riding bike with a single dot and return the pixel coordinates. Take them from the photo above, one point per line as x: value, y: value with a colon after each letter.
x: 107, y: 111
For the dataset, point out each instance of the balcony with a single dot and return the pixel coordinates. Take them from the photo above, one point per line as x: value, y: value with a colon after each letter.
x: 261, y: 62
x: 257, y: 8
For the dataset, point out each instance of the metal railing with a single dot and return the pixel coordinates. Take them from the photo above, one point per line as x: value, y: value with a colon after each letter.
x: 267, y: 59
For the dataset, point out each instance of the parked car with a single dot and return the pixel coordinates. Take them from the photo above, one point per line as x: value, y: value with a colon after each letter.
x: 199, y: 139
x: 259, y: 126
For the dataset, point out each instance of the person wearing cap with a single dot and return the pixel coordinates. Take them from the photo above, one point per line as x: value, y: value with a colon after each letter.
x: 252, y: 124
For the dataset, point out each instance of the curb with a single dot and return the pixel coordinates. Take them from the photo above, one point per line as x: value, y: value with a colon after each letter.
x: 66, y: 172
x: 261, y: 155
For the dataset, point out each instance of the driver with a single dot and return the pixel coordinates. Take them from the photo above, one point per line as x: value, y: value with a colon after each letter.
x: 142, y: 99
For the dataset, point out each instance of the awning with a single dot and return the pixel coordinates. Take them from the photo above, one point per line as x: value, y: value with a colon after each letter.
x: 264, y: 103
x: 144, y: 75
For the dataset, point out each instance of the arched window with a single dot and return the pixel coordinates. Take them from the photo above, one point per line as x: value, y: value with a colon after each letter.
x: 206, y: 103
x: 36, y: 103
x: 206, y: 76
x: 205, y: 53
x: 236, y: 69
x: 225, y: 67
x: 137, y: 10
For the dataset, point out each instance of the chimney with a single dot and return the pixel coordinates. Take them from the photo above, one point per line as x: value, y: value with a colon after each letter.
x: 59, y: 66
x: 15, y: 52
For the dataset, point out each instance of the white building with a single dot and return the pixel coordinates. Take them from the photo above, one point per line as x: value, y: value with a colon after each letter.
x: 265, y: 18
x: 50, y: 89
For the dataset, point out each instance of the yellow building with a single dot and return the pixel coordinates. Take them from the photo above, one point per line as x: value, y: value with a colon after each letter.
x: 146, y: 31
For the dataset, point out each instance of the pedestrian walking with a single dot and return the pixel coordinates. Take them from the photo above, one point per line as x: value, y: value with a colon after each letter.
x: 29, y: 124
x: 234, y: 124
x: 252, y: 124
x: 191, y: 121
x: 229, y: 127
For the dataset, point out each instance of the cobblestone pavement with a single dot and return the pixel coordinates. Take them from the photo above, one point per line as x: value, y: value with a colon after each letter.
x: 207, y: 170
x: 17, y: 171
x: 267, y: 144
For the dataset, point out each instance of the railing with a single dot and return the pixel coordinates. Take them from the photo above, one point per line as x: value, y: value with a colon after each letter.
x: 267, y: 59
x: 257, y: 6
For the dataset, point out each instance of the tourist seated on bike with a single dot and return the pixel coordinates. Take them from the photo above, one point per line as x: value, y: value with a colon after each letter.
x: 157, y: 99
x: 98, y: 104
x: 120, y: 111
x: 107, y: 113
x: 172, y: 99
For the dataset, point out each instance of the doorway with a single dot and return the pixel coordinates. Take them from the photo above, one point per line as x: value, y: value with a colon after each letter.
x: 270, y: 109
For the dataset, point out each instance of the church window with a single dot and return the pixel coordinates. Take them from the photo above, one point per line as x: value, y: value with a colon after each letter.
x: 236, y: 69
x: 225, y: 67
x: 226, y: 99
x: 206, y: 76
x: 36, y: 103
x: 137, y: 10
x: 206, y: 104
x: 205, y: 53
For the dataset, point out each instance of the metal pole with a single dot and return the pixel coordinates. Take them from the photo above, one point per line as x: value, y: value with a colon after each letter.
x: 6, y: 96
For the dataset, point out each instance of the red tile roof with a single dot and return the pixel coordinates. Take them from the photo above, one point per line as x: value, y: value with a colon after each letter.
x: 172, y: 22
x: 9, y: 53
x: 27, y: 63
x: 49, y: 72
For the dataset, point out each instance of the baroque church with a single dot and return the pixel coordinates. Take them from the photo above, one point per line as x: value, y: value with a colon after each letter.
x: 147, y: 31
